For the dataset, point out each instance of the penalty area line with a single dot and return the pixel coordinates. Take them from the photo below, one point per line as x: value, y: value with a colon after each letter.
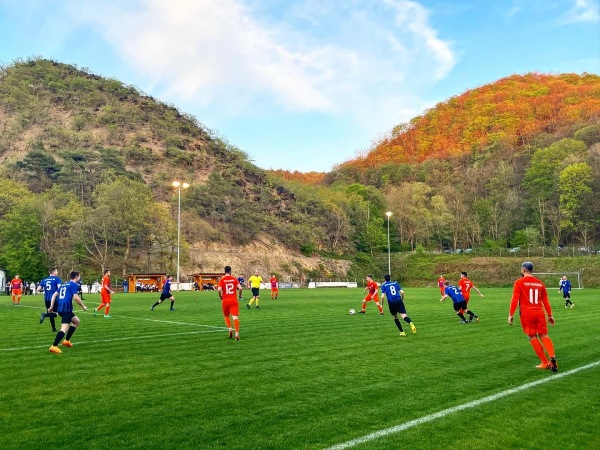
x: 446, y: 412
x: 102, y: 341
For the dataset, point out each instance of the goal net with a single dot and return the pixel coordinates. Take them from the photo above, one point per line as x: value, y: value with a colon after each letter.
x: 552, y: 279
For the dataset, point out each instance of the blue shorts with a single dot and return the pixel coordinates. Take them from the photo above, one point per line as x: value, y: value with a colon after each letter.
x: 460, y: 305
x: 66, y: 317
x: 396, y: 307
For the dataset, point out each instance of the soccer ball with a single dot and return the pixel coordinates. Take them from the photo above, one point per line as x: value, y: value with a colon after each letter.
x: 352, y: 312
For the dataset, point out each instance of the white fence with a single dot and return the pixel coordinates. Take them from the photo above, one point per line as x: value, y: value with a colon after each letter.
x: 323, y: 284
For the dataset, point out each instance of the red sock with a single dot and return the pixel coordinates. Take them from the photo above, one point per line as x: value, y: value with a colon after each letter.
x: 102, y: 305
x: 548, y: 345
x: 228, y: 322
x: 107, y: 309
x: 364, y: 307
x: 539, y: 350
x: 236, y: 324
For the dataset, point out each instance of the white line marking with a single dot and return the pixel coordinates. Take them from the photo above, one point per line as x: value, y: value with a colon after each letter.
x: 446, y: 412
x: 14, y: 349
x: 119, y: 316
x: 175, y: 323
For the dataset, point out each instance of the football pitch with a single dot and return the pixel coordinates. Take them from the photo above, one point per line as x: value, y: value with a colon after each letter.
x: 305, y: 375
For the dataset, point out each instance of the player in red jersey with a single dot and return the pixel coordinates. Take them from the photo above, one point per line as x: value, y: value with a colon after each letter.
x: 105, y: 295
x: 16, y: 286
x: 465, y: 285
x: 228, y: 289
x: 274, y: 287
x: 440, y: 282
x: 372, y: 288
x: 530, y: 295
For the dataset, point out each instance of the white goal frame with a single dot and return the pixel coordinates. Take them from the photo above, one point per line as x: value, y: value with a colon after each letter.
x: 560, y: 274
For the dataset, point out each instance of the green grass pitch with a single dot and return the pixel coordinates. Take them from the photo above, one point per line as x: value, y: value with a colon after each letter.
x: 305, y: 375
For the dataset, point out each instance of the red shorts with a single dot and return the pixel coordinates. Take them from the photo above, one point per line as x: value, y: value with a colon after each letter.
x: 370, y: 297
x: 16, y: 292
x: 534, y: 323
x: 231, y: 307
x: 275, y: 289
x: 104, y: 297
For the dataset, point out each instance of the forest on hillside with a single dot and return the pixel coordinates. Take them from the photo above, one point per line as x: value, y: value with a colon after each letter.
x: 88, y: 162
x: 512, y: 163
x: 87, y: 167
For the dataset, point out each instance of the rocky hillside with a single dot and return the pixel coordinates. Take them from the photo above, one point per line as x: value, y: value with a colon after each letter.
x: 63, y: 128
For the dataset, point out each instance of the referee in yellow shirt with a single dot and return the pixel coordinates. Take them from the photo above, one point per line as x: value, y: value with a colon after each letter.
x: 254, y: 282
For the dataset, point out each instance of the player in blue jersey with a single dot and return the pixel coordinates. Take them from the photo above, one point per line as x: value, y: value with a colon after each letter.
x: 62, y: 303
x: 565, y: 288
x: 166, y: 294
x: 395, y: 299
x: 242, y: 282
x: 459, y: 302
x: 49, y: 286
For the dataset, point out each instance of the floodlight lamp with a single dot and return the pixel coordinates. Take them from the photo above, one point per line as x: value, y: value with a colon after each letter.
x: 176, y: 184
x: 185, y: 185
x: 388, y: 214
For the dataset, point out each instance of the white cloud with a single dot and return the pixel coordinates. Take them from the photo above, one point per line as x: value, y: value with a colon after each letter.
x: 366, y: 58
x: 583, y: 11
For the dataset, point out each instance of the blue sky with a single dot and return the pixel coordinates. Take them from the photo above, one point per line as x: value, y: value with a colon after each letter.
x: 305, y: 85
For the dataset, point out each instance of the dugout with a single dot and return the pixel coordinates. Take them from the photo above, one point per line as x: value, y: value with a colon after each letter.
x: 145, y: 282
x: 206, y: 281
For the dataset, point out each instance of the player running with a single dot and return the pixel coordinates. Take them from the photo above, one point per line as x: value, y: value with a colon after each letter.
x: 565, y: 288
x: 530, y: 295
x: 228, y: 288
x: 395, y: 299
x: 465, y: 285
x: 105, y: 295
x: 49, y: 286
x: 460, y: 305
x: 62, y: 302
x: 372, y: 287
x: 166, y: 294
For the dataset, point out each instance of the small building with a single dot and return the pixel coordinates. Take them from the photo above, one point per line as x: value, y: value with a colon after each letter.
x: 206, y: 281
x: 145, y: 282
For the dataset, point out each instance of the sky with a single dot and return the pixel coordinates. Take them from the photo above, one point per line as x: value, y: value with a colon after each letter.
x: 304, y: 85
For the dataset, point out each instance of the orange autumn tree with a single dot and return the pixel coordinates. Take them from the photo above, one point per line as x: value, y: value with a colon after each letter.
x: 511, y: 111
x: 310, y: 178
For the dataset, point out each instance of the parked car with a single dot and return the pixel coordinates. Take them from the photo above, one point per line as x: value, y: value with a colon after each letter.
x: 514, y: 250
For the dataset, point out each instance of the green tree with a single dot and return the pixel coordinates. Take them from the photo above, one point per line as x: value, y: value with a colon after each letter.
x: 128, y: 204
x: 20, y: 234
x: 575, y: 192
x: 541, y: 178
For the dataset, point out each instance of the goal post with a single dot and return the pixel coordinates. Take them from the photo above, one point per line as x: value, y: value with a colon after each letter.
x: 552, y: 279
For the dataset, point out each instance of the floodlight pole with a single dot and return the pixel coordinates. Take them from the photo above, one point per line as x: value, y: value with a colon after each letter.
x: 389, y: 214
x: 179, y: 185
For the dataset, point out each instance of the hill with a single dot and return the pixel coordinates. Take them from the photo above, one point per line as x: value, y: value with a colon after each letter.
x: 511, y: 112
x: 513, y: 163
x: 73, y: 137
x: 87, y: 165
